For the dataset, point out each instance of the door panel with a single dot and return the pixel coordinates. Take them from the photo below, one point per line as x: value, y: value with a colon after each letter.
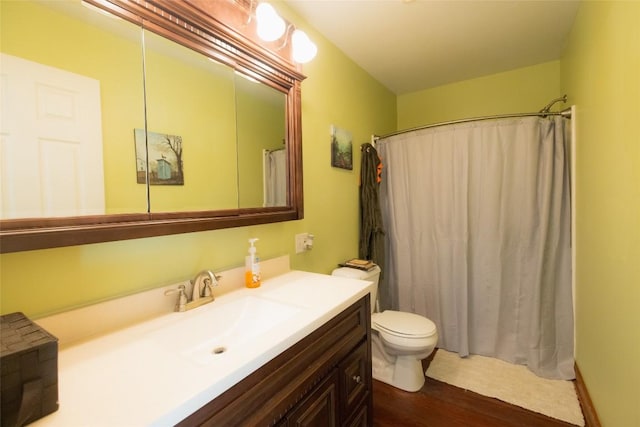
x: 50, y: 142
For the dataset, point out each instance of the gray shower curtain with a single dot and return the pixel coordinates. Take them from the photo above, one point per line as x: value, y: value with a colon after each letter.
x: 477, y: 220
x: 274, y: 169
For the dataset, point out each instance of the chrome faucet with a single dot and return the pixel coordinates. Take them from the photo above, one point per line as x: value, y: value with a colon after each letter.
x: 201, y: 291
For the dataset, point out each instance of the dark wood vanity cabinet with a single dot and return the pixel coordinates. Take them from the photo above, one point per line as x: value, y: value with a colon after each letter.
x: 319, y: 408
x: 323, y: 380
x: 340, y: 399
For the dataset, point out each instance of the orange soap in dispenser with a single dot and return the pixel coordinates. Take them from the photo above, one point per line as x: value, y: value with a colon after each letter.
x: 252, y: 267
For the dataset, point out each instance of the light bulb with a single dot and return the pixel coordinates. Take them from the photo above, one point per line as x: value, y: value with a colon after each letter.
x: 304, y: 50
x: 270, y: 25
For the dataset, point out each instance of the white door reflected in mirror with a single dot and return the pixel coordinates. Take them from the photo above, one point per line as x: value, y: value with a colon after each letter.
x: 51, y: 147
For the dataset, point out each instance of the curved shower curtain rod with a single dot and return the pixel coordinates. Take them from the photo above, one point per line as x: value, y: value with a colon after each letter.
x: 542, y: 113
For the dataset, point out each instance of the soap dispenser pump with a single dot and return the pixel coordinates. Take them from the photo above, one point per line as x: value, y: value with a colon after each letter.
x: 252, y: 267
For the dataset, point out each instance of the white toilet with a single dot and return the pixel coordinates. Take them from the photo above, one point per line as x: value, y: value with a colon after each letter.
x: 399, y: 340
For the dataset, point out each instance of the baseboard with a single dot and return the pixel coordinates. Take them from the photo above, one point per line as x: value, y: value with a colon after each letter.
x: 588, y: 410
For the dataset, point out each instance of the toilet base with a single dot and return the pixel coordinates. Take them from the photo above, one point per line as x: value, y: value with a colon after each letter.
x: 404, y: 373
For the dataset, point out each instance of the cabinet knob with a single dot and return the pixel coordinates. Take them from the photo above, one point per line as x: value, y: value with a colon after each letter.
x: 357, y: 378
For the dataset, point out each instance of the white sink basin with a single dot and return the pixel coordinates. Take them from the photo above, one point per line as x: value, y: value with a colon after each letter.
x: 214, y: 331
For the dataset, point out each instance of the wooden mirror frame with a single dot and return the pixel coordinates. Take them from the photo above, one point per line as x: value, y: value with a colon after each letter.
x: 224, y: 31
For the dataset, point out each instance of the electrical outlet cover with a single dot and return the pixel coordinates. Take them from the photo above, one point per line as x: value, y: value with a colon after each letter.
x: 300, y: 242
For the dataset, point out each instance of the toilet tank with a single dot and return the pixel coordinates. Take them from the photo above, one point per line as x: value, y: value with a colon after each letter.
x: 372, y: 275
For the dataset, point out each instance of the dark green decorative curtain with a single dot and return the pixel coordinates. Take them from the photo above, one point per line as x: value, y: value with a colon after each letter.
x: 371, y: 229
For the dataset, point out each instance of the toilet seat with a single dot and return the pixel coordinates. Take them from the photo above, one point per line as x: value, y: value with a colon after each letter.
x: 402, y: 324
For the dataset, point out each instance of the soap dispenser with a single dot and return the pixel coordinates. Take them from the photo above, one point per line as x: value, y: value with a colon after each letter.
x: 252, y: 267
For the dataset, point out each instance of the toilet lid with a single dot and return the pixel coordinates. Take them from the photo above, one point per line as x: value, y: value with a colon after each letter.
x: 404, y: 324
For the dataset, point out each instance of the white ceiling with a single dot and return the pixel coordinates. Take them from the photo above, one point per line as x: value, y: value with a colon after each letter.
x: 414, y: 45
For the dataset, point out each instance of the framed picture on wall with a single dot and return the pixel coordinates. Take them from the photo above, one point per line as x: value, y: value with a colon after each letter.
x: 341, y: 148
x: 165, y: 158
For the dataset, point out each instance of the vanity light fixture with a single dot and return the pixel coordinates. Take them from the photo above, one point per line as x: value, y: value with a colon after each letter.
x: 304, y: 50
x: 271, y: 27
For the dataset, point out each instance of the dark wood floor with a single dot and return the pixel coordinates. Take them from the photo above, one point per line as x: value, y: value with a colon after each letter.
x: 439, y: 404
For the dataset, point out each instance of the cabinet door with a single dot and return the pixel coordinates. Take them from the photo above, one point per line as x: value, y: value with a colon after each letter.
x: 360, y: 419
x: 355, y: 373
x: 319, y: 409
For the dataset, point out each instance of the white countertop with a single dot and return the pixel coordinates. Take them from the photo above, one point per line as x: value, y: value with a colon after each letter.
x: 127, y: 378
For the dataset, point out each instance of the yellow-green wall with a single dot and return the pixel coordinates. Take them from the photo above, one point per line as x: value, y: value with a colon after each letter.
x: 523, y: 90
x: 336, y: 91
x: 601, y: 73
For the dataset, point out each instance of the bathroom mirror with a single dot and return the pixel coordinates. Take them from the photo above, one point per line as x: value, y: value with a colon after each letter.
x: 68, y: 113
x: 191, y: 136
x: 262, y: 156
x: 220, y: 188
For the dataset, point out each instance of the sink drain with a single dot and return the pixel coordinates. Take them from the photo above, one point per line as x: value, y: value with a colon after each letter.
x: 218, y: 350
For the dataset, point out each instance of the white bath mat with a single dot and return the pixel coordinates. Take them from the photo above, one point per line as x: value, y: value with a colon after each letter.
x: 514, y: 384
